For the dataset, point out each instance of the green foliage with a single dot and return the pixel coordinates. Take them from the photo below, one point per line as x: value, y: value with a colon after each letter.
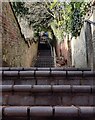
x: 66, y: 17
x: 69, y: 16
x: 35, y: 13
x: 40, y: 18
x: 20, y: 9
x: 79, y: 10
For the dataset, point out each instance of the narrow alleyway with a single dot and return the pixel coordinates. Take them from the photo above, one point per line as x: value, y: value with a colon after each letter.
x: 45, y: 91
x: 45, y: 57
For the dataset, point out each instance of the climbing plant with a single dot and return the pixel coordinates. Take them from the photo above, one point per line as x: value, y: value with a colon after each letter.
x: 79, y: 10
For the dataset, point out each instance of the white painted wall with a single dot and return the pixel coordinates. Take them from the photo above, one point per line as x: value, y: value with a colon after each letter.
x: 78, y: 50
x: 78, y: 46
x: 93, y: 37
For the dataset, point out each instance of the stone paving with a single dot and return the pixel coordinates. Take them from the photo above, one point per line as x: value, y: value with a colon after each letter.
x: 47, y: 93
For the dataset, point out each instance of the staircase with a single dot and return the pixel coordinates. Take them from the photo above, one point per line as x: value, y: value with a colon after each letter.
x: 45, y: 58
x: 47, y: 94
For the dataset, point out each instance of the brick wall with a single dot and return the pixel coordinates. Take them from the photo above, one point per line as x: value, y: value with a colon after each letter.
x: 0, y: 33
x: 16, y: 51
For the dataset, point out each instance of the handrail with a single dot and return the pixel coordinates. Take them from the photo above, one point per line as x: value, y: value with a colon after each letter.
x: 50, y: 47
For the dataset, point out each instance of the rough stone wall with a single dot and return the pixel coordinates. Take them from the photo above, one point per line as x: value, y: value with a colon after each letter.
x: 16, y: 51
x: 25, y: 29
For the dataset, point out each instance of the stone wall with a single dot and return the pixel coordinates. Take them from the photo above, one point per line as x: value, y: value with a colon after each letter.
x: 78, y: 47
x: 25, y: 29
x: 93, y: 38
x: 0, y: 34
x: 83, y: 47
x: 16, y: 51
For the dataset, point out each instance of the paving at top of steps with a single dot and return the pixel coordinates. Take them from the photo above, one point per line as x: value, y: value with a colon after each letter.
x: 48, y: 113
x: 47, y: 76
x: 43, y: 69
x: 47, y: 93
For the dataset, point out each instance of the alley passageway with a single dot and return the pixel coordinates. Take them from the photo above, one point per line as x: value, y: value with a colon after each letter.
x: 45, y: 91
x: 45, y: 56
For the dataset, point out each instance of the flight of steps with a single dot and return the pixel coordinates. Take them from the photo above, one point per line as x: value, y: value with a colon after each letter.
x: 44, y: 59
x: 47, y: 94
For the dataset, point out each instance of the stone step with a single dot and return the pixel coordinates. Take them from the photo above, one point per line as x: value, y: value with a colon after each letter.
x: 45, y: 81
x: 48, y: 88
x: 38, y: 76
x: 43, y: 46
x: 44, y: 61
x: 48, y: 73
x: 42, y: 69
x: 44, y: 52
x: 45, y: 57
x: 48, y: 113
x: 48, y: 95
